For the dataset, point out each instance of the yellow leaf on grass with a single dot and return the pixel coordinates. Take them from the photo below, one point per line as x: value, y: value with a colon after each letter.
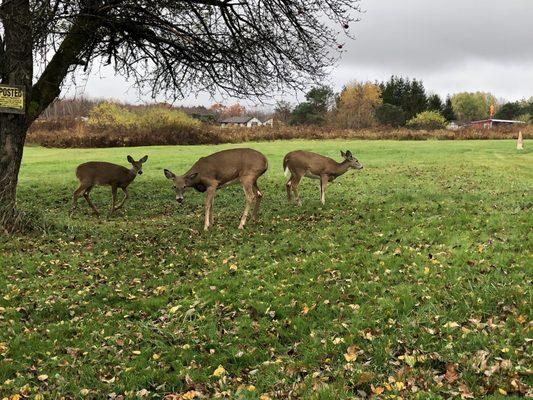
x: 351, y: 354
x: 219, y: 371
x: 174, y: 309
x: 451, y: 324
x: 191, y: 394
x: 521, y: 319
x: 250, y: 388
x: 426, y: 270
x: 264, y: 397
x: 409, y: 360
x: 42, y: 377
x: 377, y: 390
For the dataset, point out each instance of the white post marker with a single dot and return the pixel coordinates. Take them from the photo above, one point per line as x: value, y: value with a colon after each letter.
x: 520, y: 142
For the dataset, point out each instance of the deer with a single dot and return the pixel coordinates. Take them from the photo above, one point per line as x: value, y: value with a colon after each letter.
x: 301, y: 163
x: 103, y: 173
x: 219, y: 170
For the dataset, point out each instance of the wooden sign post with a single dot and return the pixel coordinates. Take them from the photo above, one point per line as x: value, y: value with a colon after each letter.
x: 12, y: 99
x: 520, y: 142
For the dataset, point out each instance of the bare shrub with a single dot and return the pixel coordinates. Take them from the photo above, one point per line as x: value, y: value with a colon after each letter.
x: 80, y: 134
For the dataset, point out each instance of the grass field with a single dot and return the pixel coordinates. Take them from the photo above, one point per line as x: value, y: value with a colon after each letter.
x: 413, y: 281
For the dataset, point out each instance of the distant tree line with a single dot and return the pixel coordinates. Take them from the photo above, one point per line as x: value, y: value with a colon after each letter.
x: 397, y: 102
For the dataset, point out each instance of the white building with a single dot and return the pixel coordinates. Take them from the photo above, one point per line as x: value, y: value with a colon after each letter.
x: 241, y: 121
x: 268, y: 122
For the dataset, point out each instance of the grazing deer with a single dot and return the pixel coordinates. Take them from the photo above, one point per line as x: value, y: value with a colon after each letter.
x: 106, y: 174
x: 222, y: 169
x: 311, y: 165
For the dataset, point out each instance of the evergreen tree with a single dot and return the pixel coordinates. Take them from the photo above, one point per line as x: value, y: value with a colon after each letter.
x: 435, y: 103
x: 447, y: 111
x: 409, y: 95
x: 314, y: 110
x: 510, y: 111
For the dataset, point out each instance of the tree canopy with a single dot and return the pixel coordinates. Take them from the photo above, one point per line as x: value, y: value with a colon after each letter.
x: 472, y: 106
x: 356, y: 105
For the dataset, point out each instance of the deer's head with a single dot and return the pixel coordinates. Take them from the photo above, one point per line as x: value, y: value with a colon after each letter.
x: 137, y: 166
x: 180, y: 183
x: 351, y: 160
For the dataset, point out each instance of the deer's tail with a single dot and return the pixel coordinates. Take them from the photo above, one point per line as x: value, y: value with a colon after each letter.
x: 287, y: 172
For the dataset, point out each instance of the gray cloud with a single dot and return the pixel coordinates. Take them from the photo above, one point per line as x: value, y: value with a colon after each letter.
x: 452, y: 45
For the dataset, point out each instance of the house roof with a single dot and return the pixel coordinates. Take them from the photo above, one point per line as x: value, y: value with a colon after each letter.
x: 507, y: 121
x: 236, y: 120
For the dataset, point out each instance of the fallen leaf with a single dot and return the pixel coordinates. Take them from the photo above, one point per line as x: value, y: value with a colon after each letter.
x: 409, y: 360
x: 451, y: 373
x: 219, y: 371
x: 465, y: 392
x: 191, y: 394
x: 451, y: 324
x: 377, y: 390
x: 351, y: 353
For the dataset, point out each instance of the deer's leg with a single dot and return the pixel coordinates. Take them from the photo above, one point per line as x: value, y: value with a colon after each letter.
x: 75, y: 197
x: 294, y: 185
x: 249, y: 194
x: 86, y: 195
x: 258, y: 197
x: 114, y: 198
x: 323, y: 185
x: 211, y: 217
x: 126, y: 195
x: 208, y: 205
x: 288, y: 187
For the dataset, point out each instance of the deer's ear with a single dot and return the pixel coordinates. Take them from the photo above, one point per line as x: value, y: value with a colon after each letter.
x: 169, y: 174
x: 190, y: 177
x: 348, y: 153
x: 143, y: 160
x: 130, y: 160
x: 343, y: 154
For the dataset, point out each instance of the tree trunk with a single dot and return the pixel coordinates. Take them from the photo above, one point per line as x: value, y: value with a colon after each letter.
x: 12, y: 136
x: 17, y: 70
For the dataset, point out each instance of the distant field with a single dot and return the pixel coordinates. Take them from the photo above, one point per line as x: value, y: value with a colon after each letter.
x: 412, y: 281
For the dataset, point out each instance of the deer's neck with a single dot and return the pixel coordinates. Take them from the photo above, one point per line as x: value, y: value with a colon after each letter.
x: 340, y: 168
x: 132, y: 174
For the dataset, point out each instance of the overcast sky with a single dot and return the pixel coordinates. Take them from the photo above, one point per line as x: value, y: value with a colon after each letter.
x: 452, y: 45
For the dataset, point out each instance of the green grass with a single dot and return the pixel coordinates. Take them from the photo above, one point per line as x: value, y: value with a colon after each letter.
x: 422, y: 261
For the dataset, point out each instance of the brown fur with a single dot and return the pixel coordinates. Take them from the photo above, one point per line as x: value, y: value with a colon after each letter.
x: 103, y: 173
x: 221, y: 169
x: 302, y: 163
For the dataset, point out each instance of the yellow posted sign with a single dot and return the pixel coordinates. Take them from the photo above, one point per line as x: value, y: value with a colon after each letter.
x: 11, y: 99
